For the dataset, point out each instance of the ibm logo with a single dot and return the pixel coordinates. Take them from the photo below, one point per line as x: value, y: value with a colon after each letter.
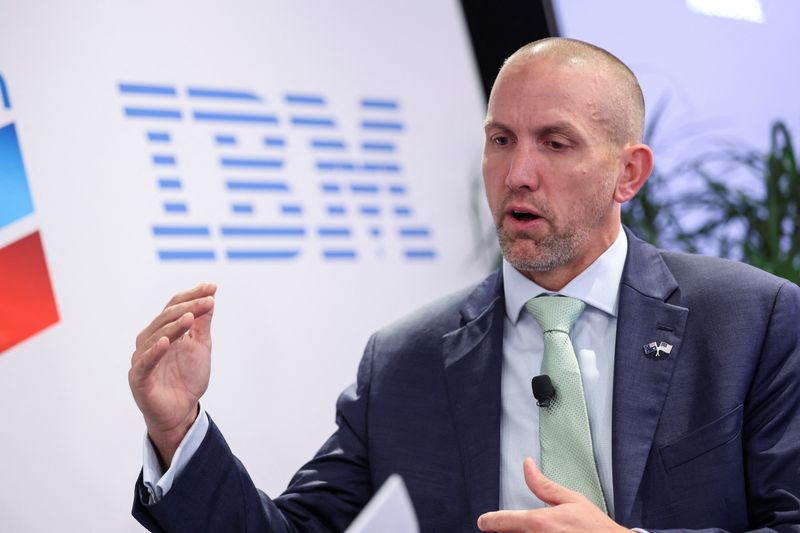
x: 290, y: 180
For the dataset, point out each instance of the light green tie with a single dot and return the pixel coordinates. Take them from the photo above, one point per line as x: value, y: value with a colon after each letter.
x: 566, y: 442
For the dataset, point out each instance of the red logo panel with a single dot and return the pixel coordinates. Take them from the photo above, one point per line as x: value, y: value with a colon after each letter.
x: 27, y: 303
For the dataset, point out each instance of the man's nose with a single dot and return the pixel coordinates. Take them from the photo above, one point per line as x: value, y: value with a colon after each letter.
x: 523, y: 169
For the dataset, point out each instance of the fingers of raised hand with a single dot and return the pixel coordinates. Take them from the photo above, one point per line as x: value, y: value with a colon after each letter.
x: 161, y: 325
x: 143, y: 362
x: 150, y: 351
x: 195, y: 293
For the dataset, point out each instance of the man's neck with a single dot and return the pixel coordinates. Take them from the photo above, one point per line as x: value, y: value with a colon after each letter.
x: 557, y: 278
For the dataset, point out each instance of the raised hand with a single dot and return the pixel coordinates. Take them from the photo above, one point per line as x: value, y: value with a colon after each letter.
x: 171, y: 366
x: 569, y: 511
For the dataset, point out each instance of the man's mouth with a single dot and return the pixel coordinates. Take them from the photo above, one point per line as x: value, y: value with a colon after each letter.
x: 523, y: 215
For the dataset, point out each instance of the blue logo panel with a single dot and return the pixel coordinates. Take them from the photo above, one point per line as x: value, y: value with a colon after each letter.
x: 16, y: 200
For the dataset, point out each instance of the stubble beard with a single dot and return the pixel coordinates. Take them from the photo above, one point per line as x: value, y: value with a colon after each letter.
x: 540, y: 254
x: 528, y: 253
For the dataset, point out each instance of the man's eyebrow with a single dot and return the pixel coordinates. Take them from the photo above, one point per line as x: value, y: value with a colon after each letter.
x: 490, y: 123
x: 564, y: 128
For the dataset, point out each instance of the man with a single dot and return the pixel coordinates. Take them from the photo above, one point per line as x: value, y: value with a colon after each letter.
x: 689, y: 366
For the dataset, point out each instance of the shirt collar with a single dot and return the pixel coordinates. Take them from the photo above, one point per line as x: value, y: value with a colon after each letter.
x: 597, y: 286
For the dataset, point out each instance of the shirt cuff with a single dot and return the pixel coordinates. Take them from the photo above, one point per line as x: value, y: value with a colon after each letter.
x: 154, y: 478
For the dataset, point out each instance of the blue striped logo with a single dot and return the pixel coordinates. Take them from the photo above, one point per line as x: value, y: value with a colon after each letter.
x: 294, y: 179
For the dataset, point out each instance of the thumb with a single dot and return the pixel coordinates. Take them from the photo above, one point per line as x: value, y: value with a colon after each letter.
x: 545, y: 488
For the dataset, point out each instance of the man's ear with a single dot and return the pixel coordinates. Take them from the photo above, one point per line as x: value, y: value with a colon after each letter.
x: 638, y: 160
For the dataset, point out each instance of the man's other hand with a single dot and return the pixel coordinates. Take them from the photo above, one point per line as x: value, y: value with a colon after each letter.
x: 171, y: 366
x: 569, y: 510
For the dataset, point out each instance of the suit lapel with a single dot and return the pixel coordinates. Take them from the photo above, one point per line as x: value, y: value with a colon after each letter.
x: 641, y: 382
x: 472, y: 365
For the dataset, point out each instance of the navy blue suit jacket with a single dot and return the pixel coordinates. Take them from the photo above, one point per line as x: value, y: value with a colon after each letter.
x: 707, y: 437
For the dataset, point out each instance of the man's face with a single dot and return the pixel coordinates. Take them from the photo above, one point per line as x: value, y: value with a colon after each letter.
x: 549, y: 167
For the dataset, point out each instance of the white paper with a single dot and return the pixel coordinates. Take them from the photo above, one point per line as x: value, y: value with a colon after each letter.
x: 389, y: 511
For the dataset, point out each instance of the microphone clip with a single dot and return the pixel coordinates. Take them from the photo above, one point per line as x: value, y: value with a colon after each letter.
x: 543, y: 390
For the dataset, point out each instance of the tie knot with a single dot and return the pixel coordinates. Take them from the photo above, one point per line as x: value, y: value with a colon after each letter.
x: 555, y: 313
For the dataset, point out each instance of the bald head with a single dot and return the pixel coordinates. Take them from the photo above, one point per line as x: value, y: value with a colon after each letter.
x: 622, y: 109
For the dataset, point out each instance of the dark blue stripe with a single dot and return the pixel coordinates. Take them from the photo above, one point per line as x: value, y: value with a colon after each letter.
x: 415, y: 232
x: 402, y: 211
x: 247, y: 118
x: 397, y: 189
x: 375, y: 231
x: 225, y: 139
x: 176, y: 207
x: 339, y: 254
x: 313, y: 121
x: 378, y: 147
x: 420, y: 254
x: 164, y: 160
x: 374, y: 103
x: 336, y: 210
x: 196, y: 92
x: 274, y: 141
x: 136, y: 88
x: 255, y: 255
x: 158, y: 136
x: 329, y: 144
x: 336, y: 165
x: 236, y: 185
x: 291, y: 209
x: 242, y: 208
x: 334, y: 232
x: 363, y: 188
x: 250, y: 162
x: 181, y: 231
x: 169, y: 183
x: 331, y: 187
x: 148, y: 112
x: 381, y: 125
x: 263, y: 231
x: 306, y: 99
x: 370, y: 210
x: 186, y: 255
x: 393, y: 168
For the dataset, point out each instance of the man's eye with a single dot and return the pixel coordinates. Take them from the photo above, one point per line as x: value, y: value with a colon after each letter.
x: 555, y: 145
x: 501, y: 141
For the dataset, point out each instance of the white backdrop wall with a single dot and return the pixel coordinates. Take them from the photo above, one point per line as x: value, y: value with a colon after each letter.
x: 317, y: 160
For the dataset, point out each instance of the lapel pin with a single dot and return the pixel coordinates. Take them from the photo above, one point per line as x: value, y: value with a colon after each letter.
x: 656, y: 350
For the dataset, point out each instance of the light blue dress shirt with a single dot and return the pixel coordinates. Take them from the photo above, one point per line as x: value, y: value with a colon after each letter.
x: 594, y: 338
